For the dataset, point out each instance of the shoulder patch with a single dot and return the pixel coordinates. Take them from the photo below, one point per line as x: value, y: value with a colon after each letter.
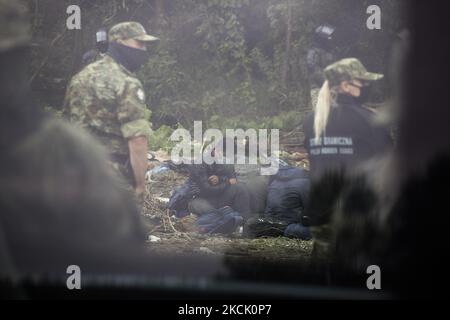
x: 141, y: 95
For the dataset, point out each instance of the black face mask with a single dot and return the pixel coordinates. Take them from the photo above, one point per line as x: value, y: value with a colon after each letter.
x: 363, y: 96
x: 130, y: 58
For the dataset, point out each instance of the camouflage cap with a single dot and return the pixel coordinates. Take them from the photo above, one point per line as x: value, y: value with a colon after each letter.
x: 129, y: 30
x: 14, y: 24
x: 348, y: 69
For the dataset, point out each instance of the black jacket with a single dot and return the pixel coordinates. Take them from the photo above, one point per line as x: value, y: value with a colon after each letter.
x: 199, y: 174
x: 351, y: 137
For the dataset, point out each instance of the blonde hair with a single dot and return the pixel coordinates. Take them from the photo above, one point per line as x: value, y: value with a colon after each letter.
x: 322, y: 110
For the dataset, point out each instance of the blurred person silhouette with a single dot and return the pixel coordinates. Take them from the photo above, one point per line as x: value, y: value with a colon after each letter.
x: 318, y: 57
x: 59, y: 205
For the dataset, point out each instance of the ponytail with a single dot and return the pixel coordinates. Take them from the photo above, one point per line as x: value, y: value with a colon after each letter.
x: 322, y: 110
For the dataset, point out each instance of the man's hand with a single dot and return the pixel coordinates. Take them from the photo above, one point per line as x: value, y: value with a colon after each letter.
x: 138, y: 158
x: 213, y: 180
x: 233, y: 181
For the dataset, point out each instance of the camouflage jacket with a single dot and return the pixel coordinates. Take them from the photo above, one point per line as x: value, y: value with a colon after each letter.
x: 109, y: 101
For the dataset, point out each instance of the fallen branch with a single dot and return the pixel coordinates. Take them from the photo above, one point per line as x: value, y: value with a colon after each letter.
x: 169, y: 221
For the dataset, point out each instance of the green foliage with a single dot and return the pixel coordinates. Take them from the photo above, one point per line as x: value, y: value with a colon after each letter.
x: 205, y: 67
x: 160, y: 139
x: 220, y: 61
x: 286, y: 121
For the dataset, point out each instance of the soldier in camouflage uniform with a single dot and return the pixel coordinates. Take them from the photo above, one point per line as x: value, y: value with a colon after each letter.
x: 107, y: 99
x: 340, y: 135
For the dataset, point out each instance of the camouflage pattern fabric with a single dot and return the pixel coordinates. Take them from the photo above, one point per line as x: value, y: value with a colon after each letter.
x: 90, y: 57
x: 129, y: 30
x: 109, y: 101
x: 348, y: 69
x: 14, y: 24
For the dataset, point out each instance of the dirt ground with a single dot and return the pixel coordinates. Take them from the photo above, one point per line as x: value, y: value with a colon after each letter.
x: 178, y: 236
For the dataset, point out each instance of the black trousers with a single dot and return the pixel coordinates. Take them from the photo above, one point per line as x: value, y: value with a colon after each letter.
x: 235, y: 196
